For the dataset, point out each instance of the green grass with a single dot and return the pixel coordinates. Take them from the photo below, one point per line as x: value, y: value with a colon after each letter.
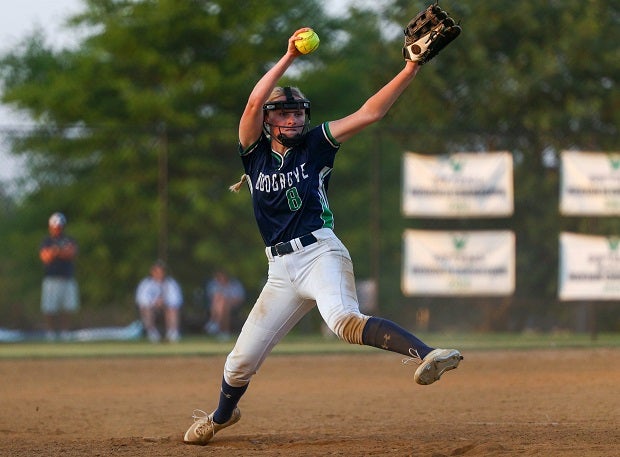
x: 293, y: 344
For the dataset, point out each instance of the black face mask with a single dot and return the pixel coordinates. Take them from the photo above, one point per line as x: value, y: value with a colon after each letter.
x: 289, y: 104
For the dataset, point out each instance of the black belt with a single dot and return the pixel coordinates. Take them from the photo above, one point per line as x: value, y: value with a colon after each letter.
x: 281, y: 249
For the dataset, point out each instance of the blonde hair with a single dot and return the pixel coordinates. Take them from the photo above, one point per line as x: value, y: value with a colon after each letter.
x: 236, y: 186
x: 278, y: 92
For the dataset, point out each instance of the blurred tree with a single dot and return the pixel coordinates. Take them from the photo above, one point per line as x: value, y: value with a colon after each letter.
x: 533, y: 78
x: 135, y: 137
x: 136, y: 130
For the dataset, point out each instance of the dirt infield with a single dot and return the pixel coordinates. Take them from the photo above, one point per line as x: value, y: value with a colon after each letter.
x: 519, y: 403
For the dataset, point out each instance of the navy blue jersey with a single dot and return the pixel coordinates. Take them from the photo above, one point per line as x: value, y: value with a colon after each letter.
x: 289, y: 193
x: 59, y: 267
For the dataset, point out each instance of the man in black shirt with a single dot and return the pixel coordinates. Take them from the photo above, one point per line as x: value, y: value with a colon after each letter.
x: 59, y: 292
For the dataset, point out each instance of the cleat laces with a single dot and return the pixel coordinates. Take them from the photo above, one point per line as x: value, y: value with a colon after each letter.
x: 414, y: 357
x: 205, y: 422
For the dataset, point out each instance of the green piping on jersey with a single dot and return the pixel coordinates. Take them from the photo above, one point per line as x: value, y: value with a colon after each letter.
x: 329, y: 135
x: 250, y: 148
x: 280, y: 158
x: 327, y: 216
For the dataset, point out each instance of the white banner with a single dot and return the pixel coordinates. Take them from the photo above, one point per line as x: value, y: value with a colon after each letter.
x: 457, y: 185
x: 589, y: 267
x: 590, y: 183
x: 458, y: 263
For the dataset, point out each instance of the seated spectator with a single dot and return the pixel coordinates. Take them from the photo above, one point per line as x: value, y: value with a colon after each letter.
x: 225, y: 295
x: 159, y: 292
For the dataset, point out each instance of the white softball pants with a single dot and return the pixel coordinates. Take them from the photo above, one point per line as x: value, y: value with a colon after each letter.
x: 320, y: 274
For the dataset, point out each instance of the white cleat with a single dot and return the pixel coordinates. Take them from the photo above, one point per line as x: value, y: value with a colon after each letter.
x: 436, y: 363
x: 203, y: 428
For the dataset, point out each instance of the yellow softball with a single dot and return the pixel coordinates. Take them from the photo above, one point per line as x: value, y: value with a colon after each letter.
x: 308, y: 43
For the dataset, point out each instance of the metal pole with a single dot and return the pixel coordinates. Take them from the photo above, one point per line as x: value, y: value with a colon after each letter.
x: 162, y: 194
x: 375, y: 211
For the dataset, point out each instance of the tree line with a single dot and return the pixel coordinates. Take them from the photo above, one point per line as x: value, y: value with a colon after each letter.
x: 134, y: 134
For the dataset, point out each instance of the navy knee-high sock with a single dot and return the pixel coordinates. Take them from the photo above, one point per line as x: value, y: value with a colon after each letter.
x: 387, y: 335
x: 229, y: 397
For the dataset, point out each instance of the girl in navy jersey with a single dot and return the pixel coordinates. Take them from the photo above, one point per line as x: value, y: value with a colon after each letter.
x: 287, y: 168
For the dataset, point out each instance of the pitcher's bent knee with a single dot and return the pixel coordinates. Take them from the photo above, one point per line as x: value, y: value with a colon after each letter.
x: 238, y: 374
x: 350, y: 327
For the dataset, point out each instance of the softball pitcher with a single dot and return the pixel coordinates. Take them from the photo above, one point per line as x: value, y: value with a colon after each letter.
x: 287, y: 168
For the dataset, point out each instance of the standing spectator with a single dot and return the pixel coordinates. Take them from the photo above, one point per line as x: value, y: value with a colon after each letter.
x: 225, y: 295
x: 156, y: 293
x: 59, y: 291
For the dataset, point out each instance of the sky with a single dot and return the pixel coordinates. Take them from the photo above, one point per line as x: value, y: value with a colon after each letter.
x: 17, y: 20
x: 20, y: 18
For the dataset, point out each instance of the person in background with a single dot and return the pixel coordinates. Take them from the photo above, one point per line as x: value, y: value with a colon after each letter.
x: 59, y: 291
x: 160, y: 292
x: 225, y: 295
